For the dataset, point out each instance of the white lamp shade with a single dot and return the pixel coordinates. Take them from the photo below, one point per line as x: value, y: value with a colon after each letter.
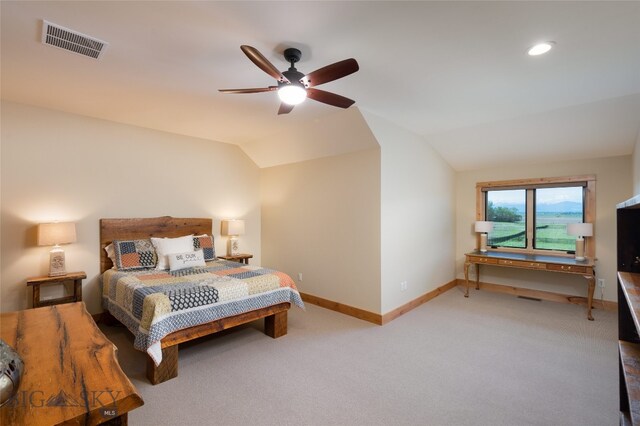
x: 51, y: 234
x: 484, y: 226
x: 580, y: 229
x: 232, y: 227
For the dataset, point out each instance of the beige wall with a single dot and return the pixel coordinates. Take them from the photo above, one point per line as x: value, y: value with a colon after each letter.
x: 355, y: 225
x: 636, y: 167
x: 321, y: 218
x: 418, y: 216
x: 381, y: 206
x: 298, y: 140
x: 613, y: 185
x: 59, y: 166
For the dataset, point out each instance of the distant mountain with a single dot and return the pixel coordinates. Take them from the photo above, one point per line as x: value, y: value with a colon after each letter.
x: 561, y: 207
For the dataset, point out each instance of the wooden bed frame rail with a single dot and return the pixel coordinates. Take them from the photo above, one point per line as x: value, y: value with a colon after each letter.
x: 275, y: 325
x: 275, y: 317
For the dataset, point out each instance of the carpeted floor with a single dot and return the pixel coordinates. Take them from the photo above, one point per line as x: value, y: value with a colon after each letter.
x: 491, y: 359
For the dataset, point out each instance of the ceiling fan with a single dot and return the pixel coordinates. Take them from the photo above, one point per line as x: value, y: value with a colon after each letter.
x: 293, y: 86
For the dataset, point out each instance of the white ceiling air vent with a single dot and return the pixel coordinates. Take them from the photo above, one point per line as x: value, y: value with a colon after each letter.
x: 73, y: 41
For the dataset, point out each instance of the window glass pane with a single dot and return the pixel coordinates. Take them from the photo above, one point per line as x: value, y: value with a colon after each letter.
x: 507, y: 210
x: 555, y: 208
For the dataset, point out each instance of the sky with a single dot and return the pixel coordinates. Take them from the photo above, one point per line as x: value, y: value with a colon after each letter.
x: 543, y: 195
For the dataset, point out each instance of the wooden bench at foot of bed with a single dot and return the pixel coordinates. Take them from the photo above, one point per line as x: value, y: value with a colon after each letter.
x: 275, y: 325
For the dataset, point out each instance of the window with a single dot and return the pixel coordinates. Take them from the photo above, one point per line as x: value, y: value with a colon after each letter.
x: 507, y: 209
x: 554, y: 209
x: 532, y: 214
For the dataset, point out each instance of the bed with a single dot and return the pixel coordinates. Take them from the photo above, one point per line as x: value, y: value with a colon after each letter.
x: 165, y: 308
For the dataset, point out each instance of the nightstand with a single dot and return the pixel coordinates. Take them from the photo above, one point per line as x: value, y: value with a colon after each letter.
x: 76, y: 277
x: 240, y: 257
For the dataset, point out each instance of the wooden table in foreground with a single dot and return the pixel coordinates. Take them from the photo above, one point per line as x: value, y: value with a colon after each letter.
x: 567, y: 265
x: 71, y: 374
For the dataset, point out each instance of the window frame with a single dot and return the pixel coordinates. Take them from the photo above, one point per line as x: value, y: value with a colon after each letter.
x: 589, y: 203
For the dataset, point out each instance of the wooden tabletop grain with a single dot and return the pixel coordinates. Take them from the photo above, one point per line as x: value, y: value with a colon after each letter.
x: 71, y: 373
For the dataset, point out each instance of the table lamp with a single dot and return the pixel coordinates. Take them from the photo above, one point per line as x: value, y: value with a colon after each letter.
x: 232, y: 228
x: 581, y: 230
x: 54, y: 234
x: 483, y: 227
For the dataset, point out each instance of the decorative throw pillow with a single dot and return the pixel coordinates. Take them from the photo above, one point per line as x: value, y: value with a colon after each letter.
x: 134, y: 254
x: 165, y: 246
x: 205, y: 242
x: 190, y: 259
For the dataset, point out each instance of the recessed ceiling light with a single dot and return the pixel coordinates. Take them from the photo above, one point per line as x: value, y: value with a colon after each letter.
x: 541, y: 48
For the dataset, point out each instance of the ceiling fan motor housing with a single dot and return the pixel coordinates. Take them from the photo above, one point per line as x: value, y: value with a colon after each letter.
x: 292, y: 55
x: 294, y: 76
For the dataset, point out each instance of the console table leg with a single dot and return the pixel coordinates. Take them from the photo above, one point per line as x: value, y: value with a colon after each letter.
x: 466, y: 278
x: 592, y: 286
x: 477, y: 266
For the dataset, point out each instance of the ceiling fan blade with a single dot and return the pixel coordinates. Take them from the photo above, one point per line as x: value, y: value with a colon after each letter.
x: 329, y: 98
x: 284, y: 108
x: 330, y: 73
x: 262, y: 63
x: 256, y: 90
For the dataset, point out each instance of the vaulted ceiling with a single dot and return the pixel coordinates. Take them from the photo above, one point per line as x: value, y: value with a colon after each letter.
x: 456, y: 73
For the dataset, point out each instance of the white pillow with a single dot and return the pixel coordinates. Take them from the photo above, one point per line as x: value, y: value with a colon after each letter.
x: 190, y: 259
x: 165, y: 246
x: 111, y: 253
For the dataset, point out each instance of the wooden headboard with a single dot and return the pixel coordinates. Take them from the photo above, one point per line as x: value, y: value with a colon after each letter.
x: 135, y: 229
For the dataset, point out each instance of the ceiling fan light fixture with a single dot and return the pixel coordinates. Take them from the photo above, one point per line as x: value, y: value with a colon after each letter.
x: 293, y: 86
x: 541, y: 48
x: 292, y: 94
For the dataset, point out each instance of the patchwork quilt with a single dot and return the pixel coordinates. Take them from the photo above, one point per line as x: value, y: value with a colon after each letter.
x: 153, y: 303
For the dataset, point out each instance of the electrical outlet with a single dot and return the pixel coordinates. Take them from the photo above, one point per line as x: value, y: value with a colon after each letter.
x: 403, y: 286
x: 299, y: 276
x: 601, y: 282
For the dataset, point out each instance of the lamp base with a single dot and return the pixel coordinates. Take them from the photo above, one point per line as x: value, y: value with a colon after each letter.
x: 483, y: 242
x: 580, y: 248
x: 57, y: 265
x: 233, y: 247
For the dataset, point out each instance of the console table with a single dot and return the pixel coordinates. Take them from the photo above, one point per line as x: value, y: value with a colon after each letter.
x: 567, y: 265
x: 71, y: 374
